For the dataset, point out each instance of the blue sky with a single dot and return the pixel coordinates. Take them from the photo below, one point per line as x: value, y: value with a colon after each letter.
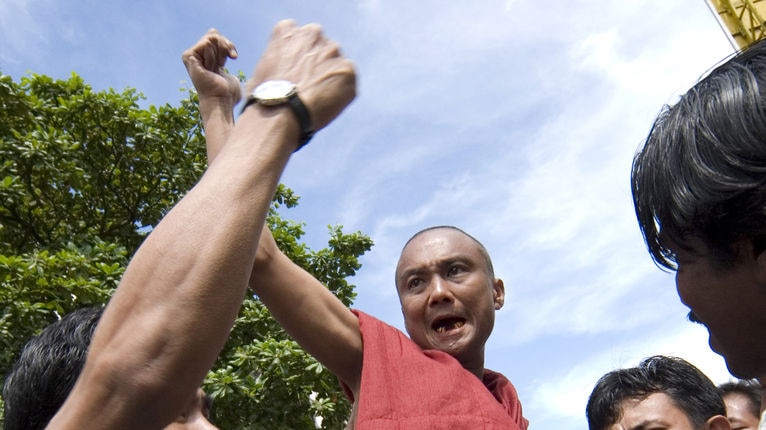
x: 515, y: 120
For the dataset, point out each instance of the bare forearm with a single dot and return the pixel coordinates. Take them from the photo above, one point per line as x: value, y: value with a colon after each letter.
x: 179, y: 296
x: 182, y: 290
x: 281, y: 285
x: 218, y: 121
x: 309, y: 312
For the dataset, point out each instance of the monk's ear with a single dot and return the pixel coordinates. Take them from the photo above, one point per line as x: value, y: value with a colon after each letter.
x: 718, y: 422
x: 498, y: 293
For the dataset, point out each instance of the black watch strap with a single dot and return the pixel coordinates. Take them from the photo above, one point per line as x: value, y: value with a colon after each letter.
x: 301, y: 114
x: 304, y: 119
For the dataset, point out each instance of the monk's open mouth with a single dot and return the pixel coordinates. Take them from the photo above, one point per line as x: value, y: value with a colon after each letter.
x: 448, y: 324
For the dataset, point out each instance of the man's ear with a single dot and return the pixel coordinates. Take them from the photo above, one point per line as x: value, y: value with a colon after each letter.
x: 718, y: 422
x: 498, y: 293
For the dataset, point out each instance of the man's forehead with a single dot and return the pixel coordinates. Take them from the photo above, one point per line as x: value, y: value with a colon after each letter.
x: 440, y: 234
x: 441, y: 242
x: 655, y: 410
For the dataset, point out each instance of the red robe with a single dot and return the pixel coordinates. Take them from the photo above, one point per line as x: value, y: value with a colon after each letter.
x: 404, y: 387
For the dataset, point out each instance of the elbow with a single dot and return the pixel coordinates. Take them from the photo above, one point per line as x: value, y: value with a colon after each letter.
x: 112, y: 383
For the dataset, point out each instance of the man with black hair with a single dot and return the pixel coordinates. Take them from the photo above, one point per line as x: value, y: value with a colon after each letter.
x: 661, y: 392
x: 699, y: 190
x: 743, y: 403
x: 45, y: 372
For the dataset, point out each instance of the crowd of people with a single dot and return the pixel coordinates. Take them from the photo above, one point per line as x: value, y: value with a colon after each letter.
x: 699, y: 188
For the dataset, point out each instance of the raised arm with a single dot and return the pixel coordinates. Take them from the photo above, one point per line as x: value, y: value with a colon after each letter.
x: 218, y: 90
x: 309, y: 312
x: 318, y: 321
x: 312, y: 315
x: 177, y: 301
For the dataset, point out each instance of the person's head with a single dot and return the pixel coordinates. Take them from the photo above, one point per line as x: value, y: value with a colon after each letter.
x: 661, y: 392
x: 449, y: 293
x: 699, y: 190
x: 48, y: 367
x: 743, y: 403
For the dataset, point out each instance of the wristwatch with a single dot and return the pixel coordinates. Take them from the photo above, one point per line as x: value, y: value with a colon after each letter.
x: 281, y: 92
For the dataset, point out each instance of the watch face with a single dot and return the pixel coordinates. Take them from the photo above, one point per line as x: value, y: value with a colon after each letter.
x: 274, y: 92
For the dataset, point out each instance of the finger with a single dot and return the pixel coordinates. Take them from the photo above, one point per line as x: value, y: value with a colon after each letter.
x: 283, y: 27
x: 216, y: 49
x: 330, y: 49
x: 227, y: 46
x: 190, y: 58
x: 210, y: 57
x: 225, y: 50
x: 196, y: 54
x: 314, y: 33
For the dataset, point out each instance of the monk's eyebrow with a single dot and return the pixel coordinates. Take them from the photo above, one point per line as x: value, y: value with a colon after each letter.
x: 457, y: 260
x: 442, y: 264
x: 407, y: 273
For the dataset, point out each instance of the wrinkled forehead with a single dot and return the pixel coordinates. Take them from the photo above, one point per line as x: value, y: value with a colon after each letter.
x: 432, y: 246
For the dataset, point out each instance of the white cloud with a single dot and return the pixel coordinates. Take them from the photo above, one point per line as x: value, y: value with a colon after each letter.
x: 565, y: 395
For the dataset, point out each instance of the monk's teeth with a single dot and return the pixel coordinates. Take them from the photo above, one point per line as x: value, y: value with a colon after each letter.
x: 452, y: 325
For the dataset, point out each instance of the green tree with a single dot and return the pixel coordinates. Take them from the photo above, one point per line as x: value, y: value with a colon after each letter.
x: 84, y: 177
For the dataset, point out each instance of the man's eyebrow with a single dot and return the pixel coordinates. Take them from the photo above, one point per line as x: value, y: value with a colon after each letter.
x: 406, y: 273
x: 441, y: 263
x: 457, y: 259
x: 648, y: 423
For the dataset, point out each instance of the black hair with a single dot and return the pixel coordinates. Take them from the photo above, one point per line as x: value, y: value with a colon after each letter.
x: 691, y: 391
x: 702, y: 170
x: 47, y: 369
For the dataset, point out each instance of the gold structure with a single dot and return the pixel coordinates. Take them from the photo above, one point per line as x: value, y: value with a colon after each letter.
x: 742, y: 20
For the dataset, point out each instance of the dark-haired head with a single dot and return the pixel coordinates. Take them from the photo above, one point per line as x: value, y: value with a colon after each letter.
x: 702, y: 170
x: 47, y: 369
x: 747, y: 389
x: 689, y: 389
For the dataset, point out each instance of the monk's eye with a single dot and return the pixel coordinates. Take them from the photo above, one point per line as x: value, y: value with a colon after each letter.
x: 455, y: 269
x: 415, y: 283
